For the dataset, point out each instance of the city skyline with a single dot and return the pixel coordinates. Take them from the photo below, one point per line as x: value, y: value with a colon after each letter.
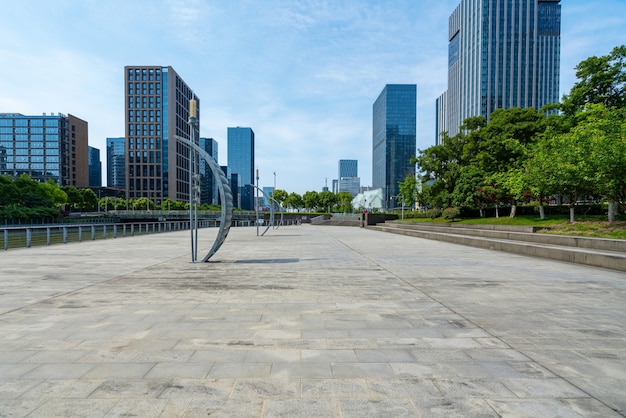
x: 302, y: 74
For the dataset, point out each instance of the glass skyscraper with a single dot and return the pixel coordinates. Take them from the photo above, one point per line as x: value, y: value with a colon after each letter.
x: 45, y: 147
x: 208, y: 185
x: 241, y: 163
x: 348, y: 168
x: 157, y: 113
x: 501, y: 54
x: 394, y: 137
x: 116, y: 163
x: 95, y: 168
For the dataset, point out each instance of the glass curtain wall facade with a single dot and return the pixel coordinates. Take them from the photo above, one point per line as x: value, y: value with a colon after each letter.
x: 157, y: 112
x: 116, y: 163
x: 45, y: 147
x: 241, y: 163
x: 348, y: 168
x: 95, y: 168
x: 394, y: 137
x: 501, y: 54
x: 208, y: 184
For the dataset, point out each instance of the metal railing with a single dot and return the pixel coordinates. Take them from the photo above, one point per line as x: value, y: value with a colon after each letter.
x: 29, y: 236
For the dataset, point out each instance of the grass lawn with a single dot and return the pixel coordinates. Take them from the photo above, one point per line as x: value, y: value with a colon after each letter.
x: 588, y: 226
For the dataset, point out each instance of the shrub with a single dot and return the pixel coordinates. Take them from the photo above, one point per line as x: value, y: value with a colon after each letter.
x: 433, y: 213
x: 451, y: 213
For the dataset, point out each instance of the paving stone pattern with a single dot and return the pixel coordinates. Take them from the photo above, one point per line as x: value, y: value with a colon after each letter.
x: 307, y: 321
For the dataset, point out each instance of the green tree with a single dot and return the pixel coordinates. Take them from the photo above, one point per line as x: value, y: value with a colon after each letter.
x: 74, y: 197
x: 311, y: 200
x: 143, y: 203
x: 280, y: 195
x: 52, y: 189
x: 90, y: 200
x: 503, y: 146
x: 344, y: 202
x: 605, y: 131
x: 326, y: 200
x: 294, y: 201
x: 9, y: 193
x: 600, y: 80
x: 408, y: 189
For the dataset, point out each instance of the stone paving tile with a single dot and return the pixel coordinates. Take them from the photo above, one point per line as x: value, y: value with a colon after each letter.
x: 74, y: 408
x: 362, y: 370
x: 62, y: 388
x: 335, y: 389
x: 398, y: 408
x: 313, y: 321
x: 18, y: 408
x: 300, y: 408
x: 271, y: 388
x: 533, y: 407
x: 461, y: 408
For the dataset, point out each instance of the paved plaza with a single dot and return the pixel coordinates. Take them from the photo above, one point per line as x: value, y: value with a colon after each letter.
x: 307, y: 321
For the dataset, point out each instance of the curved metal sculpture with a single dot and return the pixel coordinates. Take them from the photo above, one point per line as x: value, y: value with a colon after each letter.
x: 226, y: 196
x: 271, y: 222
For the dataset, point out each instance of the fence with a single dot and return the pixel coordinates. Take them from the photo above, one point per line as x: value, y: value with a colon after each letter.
x: 20, y: 237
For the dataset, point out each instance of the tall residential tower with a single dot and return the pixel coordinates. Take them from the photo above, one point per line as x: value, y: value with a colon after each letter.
x: 157, y: 113
x: 394, y: 137
x: 501, y: 54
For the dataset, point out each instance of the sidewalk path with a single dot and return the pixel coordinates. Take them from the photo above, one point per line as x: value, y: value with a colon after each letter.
x: 307, y: 322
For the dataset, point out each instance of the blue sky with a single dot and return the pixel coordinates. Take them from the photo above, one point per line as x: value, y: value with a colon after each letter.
x: 303, y: 74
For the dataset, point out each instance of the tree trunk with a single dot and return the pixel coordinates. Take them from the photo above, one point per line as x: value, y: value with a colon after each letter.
x: 572, y: 219
x: 482, y: 212
x: 497, y: 214
x: 513, y: 210
x: 612, y: 210
x: 542, y: 212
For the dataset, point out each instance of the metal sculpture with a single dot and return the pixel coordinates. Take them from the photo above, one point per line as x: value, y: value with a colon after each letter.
x: 226, y: 197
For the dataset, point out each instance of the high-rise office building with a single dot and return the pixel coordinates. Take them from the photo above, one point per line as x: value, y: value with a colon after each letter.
x: 95, y: 168
x: 348, y: 168
x: 501, y: 54
x: 157, y: 114
x: 349, y: 180
x: 241, y: 163
x: 116, y: 163
x: 394, y: 137
x: 208, y: 184
x: 45, y: 147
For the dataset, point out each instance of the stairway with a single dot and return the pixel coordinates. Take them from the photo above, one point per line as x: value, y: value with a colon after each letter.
x: 598, y: 252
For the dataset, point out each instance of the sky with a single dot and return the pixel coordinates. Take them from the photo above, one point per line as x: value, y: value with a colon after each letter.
x: 303, y: 74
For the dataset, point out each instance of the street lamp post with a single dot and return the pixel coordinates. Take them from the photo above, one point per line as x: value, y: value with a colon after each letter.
x: 256, y: 201
x: 193, y: 214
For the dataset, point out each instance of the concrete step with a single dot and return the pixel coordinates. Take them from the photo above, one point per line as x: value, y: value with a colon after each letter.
x: 597, y: 252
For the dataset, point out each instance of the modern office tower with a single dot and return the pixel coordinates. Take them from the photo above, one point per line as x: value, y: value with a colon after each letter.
x: 349, y: 180
x: 501, y: 54
x: 394, y: 137
x: 335, y: 186
x: 116, y: 163
x: 208, y: 185
x: 241, y: 162
x: 440, y: 116
x: 45, y: 147
x: 95, y: 168
x: 348, y: 168
x: 157, y: 114
x: 350, y: 185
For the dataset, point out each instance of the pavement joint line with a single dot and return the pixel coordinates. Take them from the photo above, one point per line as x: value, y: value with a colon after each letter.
x: 397, y: 326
